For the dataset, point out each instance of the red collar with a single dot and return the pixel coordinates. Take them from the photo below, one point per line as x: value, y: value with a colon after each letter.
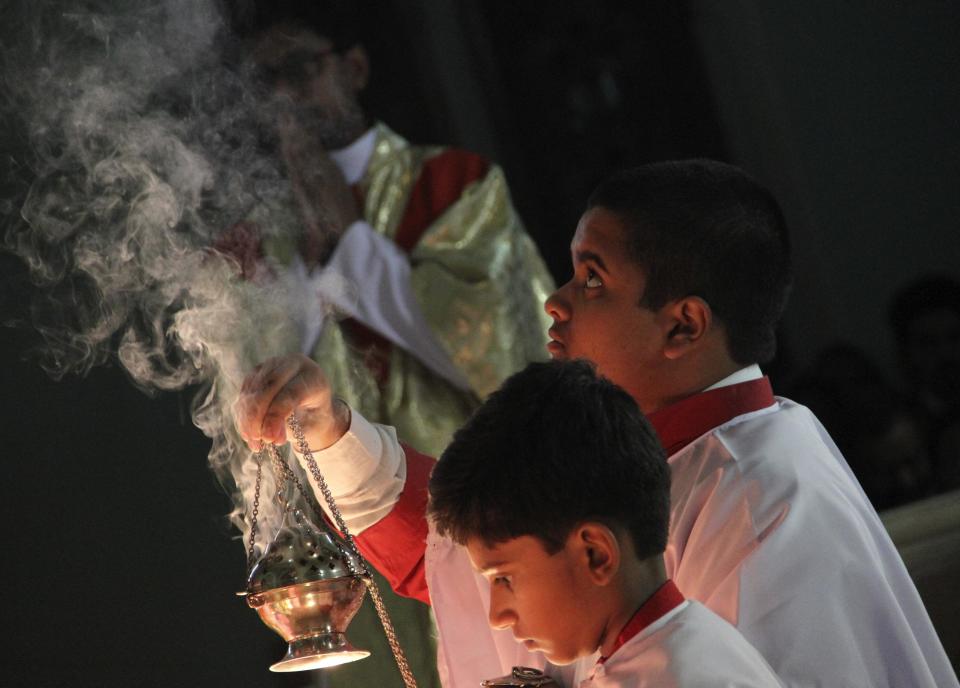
x: 666, y: 598
x: 679, y: 424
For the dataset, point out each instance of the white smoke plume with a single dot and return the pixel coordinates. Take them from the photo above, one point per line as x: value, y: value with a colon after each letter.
x: 143, y: 143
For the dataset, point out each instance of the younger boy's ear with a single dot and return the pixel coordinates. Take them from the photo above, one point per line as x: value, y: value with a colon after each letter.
x: 599, y: 551
x: 688, y: 321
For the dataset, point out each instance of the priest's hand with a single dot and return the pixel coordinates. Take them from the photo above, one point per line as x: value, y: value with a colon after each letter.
x: 284, y: 385
x: 327, y: 204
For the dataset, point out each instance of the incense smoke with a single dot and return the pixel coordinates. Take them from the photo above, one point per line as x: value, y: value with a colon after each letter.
x: 146, y: 140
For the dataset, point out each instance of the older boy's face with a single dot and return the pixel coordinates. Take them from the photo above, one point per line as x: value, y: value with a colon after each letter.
x: 544, y: 599
x: 597, y: 315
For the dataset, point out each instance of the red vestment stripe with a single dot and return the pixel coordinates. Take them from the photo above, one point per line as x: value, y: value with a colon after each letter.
x: 442, y: 181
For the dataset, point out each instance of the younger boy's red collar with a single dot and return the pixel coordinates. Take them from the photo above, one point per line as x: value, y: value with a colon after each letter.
x: 666, y: 598
x: 680, y: 423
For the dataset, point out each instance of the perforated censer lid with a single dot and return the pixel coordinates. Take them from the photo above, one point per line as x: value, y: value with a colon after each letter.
x: 300, y: 552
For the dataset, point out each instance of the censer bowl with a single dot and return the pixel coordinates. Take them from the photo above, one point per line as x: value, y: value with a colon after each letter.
x: 306, y: 588
x: 312, y: 617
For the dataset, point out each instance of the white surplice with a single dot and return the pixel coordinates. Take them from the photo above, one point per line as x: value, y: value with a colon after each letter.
x: 689, y: 647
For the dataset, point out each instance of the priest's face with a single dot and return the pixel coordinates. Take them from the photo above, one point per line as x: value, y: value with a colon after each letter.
x: 597, y: 316
x: 316, y: 85
x: 544, y: 599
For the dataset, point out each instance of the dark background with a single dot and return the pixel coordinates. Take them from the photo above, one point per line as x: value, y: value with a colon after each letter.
x: 119, y: 568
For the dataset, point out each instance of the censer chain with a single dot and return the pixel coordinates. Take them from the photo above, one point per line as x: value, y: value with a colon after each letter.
x: 283, y: 473
x: 398, y: 655
x: 251, y: 557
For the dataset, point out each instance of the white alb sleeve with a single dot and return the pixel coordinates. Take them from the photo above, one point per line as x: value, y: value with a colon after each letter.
x: 365, y: 471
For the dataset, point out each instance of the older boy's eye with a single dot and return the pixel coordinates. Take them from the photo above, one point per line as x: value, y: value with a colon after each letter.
x: 502, y: 580
x: 593, y: 280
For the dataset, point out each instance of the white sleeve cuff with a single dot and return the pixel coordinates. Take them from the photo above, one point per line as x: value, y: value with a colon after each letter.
x: 365, y: 471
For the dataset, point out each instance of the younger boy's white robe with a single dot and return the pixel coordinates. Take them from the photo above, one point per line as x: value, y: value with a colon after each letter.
x: 688, y: 647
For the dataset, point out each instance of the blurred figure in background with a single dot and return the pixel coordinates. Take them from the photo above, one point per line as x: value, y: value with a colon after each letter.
x: 925, y: 317
x: 878, y: 431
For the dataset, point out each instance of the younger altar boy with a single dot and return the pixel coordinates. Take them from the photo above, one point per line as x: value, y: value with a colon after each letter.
x: 559, y: 490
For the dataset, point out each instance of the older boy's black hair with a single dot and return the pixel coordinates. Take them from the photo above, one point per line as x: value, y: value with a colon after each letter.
x: 704, y: 228
x: 555, y: 446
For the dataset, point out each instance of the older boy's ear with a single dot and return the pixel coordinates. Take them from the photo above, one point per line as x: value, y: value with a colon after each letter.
x: 600, y: 551
x: 688, y: 321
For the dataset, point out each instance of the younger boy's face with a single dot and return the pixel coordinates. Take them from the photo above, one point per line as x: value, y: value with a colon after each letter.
x: 544, y: 599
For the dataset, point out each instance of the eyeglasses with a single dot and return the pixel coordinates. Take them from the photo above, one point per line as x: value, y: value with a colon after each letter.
x: 295, y: 67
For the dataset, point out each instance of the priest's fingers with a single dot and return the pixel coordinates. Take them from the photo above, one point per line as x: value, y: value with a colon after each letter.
x: 272, y: 391
x: 306, y: 395
x: 257, y: 393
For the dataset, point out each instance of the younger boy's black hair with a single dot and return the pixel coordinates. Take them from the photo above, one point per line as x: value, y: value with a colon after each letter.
x: 555, y: 446
x: 704, y: 228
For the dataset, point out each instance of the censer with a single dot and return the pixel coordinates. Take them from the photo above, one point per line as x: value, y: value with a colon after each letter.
x: 309, y: 583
